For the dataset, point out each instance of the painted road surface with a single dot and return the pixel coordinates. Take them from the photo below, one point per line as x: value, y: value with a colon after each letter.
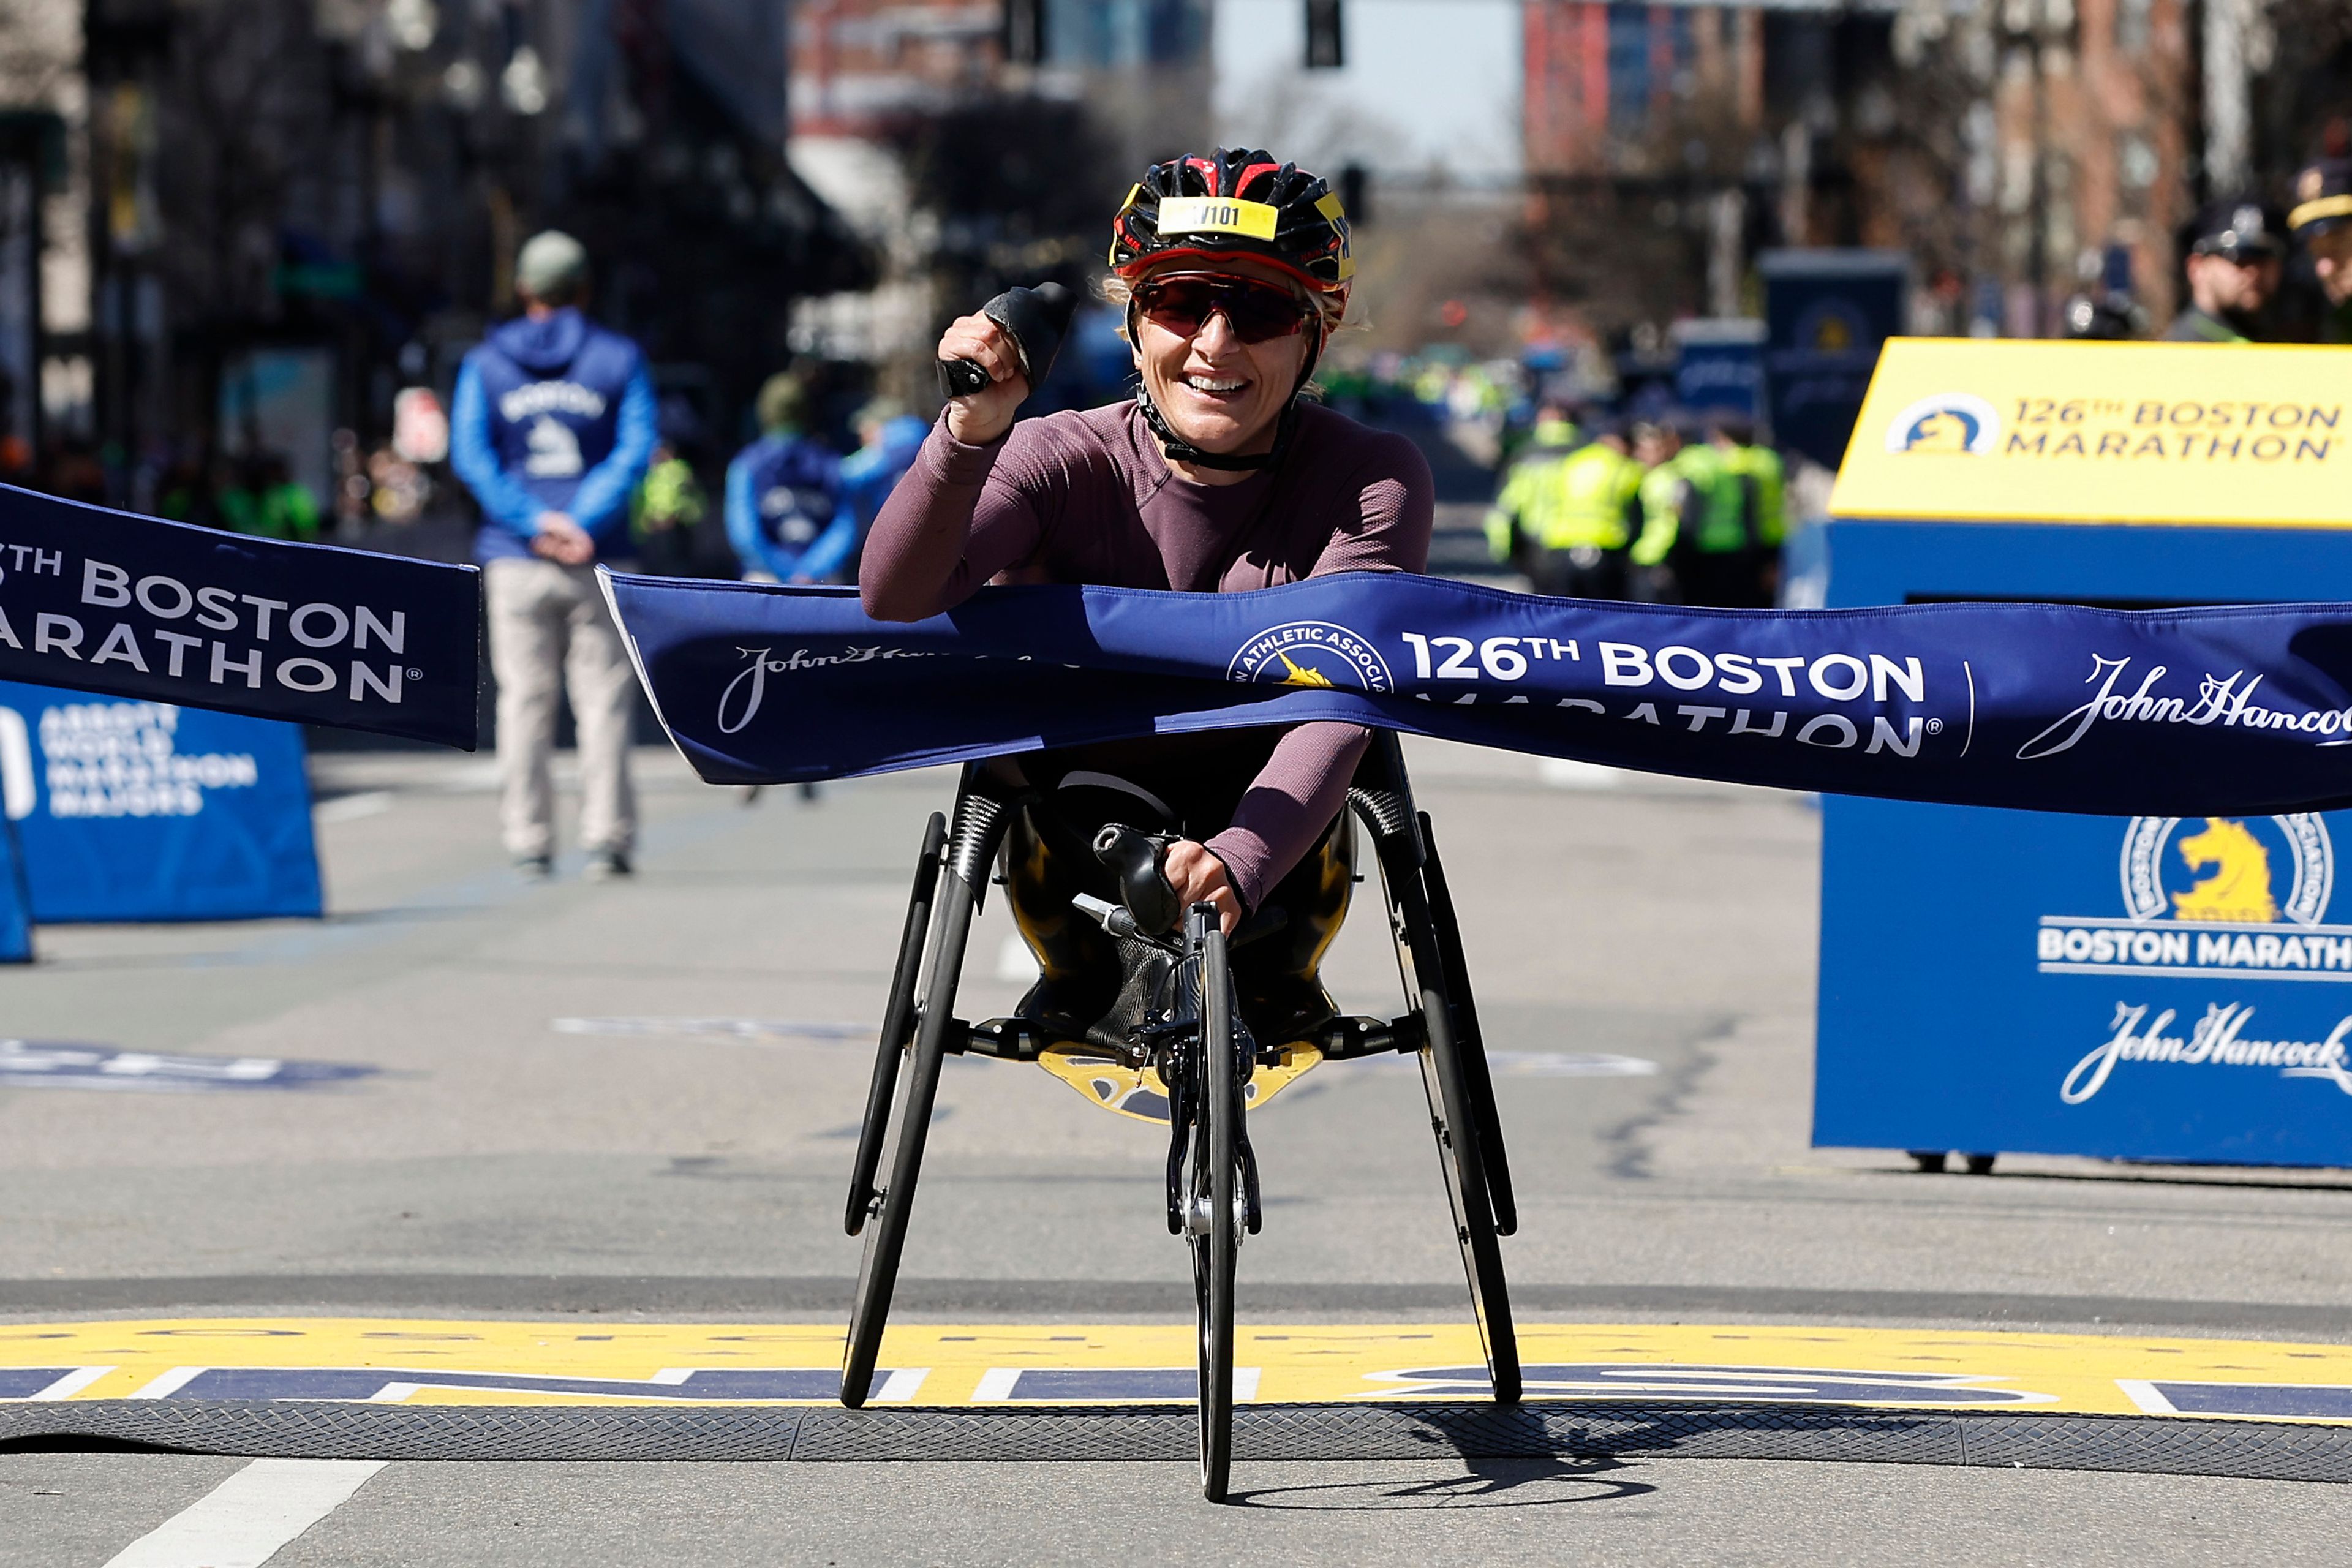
x: 589, y: 1142
x: 400, y: 1361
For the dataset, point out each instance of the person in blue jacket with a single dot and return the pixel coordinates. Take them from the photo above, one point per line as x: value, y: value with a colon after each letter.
x: 889, y: 437
x: 551, y: 426
x: 784, y: 511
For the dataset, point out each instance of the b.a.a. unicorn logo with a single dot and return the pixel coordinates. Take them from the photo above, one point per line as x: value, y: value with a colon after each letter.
x: 1956, y: 423
x: 1317, y: 655
x: 2255, y: 870
x: 2223, y: 896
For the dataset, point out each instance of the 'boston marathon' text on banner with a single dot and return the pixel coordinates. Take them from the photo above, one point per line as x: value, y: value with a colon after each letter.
x: 2040, y: 706
x: 132, y: 606
x: 2017, y: 431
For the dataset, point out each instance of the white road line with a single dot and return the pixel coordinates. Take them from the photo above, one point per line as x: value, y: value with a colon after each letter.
x: 243, y: 1522
x: 73, y: 1382
x: 995, y: 1385
x: 169, y: 1383
x: 901, y: 1385
x: 2145, y: 1395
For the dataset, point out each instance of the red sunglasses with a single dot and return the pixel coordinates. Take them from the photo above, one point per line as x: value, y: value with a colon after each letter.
x: 1257, y: 312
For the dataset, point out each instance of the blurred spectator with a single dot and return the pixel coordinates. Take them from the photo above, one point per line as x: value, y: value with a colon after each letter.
x: 1694, y: 543
x: 283, y: 507
x: 888, y: 437
x: 667, y: 506
x: 397, y: 489
x: 2322, y: 223
x: 784, y: 511
x: 1756, y: 470
x: 1567, y: 517
x: 552, y: 427
x: 2235, y: 261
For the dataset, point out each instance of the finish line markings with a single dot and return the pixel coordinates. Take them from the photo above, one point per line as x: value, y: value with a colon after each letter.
x: 396, y: 1361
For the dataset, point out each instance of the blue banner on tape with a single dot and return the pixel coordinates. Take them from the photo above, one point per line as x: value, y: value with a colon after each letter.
x: 2041, y: 706
x: 132, y: 607
x: 143, y: 811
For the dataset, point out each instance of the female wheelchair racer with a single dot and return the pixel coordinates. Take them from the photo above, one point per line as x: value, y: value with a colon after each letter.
x: 1235, y: 271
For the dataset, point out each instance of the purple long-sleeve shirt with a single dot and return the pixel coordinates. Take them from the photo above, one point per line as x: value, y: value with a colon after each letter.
x: 1087, y: 497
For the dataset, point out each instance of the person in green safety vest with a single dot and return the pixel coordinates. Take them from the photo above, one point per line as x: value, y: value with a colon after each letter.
x: 1694, y: 542
x: 279, y: 506
x: 663, y: 513
x: 1764, y: 483
x: 1579, y: 520
x: 1554, y: 432
x: 1514, y: 523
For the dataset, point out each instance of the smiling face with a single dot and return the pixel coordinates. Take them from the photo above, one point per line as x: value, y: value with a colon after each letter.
x: 1218, y: 393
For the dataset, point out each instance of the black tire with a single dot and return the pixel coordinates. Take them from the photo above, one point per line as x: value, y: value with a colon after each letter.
x: 1469, y: 1039
x: 885, y: 1231
x: 1216, y: 1243
x: 1454, y: 1122
x: 898, y: 1027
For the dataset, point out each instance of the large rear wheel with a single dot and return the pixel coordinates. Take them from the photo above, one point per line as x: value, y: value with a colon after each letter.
x: 1454, y: 1118
x: 1212, y: 1226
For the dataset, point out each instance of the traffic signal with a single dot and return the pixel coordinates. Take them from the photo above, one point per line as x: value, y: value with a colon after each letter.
x: 1024, y: 32
x: 1355, y: 195
x: 1324, y: 45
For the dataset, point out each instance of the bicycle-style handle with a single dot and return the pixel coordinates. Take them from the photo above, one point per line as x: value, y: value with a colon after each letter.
x: 1134, y: 858
x: 1036, y: 319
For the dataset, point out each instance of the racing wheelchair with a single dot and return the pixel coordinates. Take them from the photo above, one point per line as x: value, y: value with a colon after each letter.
x: 1151, y: 1008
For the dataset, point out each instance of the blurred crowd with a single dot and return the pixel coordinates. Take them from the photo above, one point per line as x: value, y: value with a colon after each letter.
x: 1670, y: 507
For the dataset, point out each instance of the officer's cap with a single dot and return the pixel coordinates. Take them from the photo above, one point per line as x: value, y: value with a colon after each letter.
x: 551, y: 266
x: 2237, y: 228
x: 2322, y: 197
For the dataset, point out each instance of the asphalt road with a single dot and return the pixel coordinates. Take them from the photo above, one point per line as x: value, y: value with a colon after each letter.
x: 639, y: 1098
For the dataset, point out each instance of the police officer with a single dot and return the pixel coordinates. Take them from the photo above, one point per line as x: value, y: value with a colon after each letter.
x: 551, y: 426
x: 1574, y: 517
x: 1516, y: 522
x: 2321, y: 221
x: 1694, y: 519
x: 2236, y: 257
x: 1763, y: 482
x: 784, y: 513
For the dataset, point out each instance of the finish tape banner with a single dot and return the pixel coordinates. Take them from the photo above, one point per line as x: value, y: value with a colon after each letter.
x: 2045, y: 707
x: 133, y: 607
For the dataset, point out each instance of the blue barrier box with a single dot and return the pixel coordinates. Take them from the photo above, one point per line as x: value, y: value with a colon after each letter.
x: 2152, y: 988
x: 143, y: 811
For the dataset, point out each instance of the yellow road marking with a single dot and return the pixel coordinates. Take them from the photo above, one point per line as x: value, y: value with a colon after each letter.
x: 423, y: 1361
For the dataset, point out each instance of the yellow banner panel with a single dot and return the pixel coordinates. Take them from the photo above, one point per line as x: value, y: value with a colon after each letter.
x: 2020, y: 431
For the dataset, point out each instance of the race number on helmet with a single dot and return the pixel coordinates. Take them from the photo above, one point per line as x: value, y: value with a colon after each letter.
x: 1233, y: 204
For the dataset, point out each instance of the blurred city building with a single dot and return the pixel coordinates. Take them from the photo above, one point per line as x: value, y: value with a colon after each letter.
x: 240, y: 230
x: 2020, y: 152
x: 980, y: 143
x: 299, y: 207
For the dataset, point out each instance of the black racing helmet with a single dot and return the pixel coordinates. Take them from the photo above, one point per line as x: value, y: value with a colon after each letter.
x: 1236, y: 203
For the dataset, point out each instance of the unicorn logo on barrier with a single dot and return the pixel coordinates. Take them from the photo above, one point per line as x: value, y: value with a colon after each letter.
x: 1955, y: 423
x: 2238, y: 887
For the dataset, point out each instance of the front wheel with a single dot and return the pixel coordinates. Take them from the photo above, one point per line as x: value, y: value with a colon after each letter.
x: 1210, y: 1225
